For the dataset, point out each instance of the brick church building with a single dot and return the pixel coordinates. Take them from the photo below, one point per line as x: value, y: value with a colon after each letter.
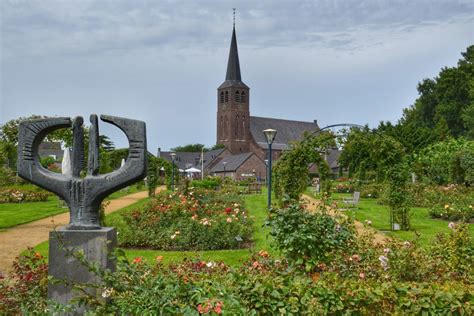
x: 245, y: 145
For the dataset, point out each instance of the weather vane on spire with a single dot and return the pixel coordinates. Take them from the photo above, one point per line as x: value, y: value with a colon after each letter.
x: 233, y: 9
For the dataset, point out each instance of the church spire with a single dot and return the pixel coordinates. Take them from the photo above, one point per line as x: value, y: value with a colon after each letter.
x: 233, y: 65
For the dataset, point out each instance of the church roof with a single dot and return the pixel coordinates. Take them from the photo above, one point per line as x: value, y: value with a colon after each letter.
x: 233, y: 162
x: 232, y: 76
x: 287, y: 130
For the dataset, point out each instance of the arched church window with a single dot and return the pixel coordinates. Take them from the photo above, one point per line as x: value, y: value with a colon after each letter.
x: 236, y: 130
x: 221, y: 128
x: 237, y: 96
x: 222, y: 96
x: 243, y: 97
x: 226, y: 124
x: 227, y: 96
x: 242, y: 131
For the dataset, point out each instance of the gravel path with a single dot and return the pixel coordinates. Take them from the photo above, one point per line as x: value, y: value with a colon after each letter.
x: 16, y: 239
x: 379, y: 238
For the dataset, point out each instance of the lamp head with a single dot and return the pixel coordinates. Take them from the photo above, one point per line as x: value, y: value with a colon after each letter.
x: 173, y: 155
x: 270, y: 135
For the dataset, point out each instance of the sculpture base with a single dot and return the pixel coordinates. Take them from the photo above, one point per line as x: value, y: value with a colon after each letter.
x: 95, y: 245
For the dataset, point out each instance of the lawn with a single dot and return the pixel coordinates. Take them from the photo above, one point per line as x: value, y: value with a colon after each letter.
x: 422, y: 225
x: 256, y: 204
x: 13, y: 214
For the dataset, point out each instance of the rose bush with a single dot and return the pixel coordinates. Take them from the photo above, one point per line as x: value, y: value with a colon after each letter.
x: 196, y: 220
x: 20, y: 195
x: 310, y: 239
x: 396, y: 278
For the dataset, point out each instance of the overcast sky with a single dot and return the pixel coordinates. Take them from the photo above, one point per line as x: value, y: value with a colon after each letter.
x: 162, y: 61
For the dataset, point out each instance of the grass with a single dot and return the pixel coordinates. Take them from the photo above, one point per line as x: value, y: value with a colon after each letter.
x: 422, y: 225
x: 13, y: 214
x: 256, y: 204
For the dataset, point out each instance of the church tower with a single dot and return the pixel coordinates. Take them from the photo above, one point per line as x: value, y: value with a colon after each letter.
x: 233, y: 106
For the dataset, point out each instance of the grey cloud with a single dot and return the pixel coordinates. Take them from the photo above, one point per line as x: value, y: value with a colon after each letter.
x: 88, y: 27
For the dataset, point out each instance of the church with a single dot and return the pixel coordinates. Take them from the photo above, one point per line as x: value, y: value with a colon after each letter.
x: 245, y: 147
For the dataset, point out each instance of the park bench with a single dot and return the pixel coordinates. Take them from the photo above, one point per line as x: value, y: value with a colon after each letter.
x: 254, y: 188
x: 352, y: 201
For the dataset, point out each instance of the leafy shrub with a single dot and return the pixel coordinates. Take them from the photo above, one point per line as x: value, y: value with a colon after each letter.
x: 452, y: 202
x: 198, y: 220
x: 210, y: 183
x: 25, y: 289
x: 7, y: 176
x: 450, y: 161
x: 453, y: 212
x: 309, y: 239
x: 372, y: 190
x: 19, y: 195
x: 344, y: 188
x: 398, y: 196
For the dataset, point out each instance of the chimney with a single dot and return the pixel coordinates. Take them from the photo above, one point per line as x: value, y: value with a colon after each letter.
x: 158, y: 154
x: 316, y: 122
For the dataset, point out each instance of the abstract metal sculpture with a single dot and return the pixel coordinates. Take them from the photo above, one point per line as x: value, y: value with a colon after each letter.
x: 82, y: 194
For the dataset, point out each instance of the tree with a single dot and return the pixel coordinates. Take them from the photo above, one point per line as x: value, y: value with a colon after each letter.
x: 154, y: 166
x: 189, y: 148
x: 369, y: 154
x: 445, y: 106
x: 196, y: 148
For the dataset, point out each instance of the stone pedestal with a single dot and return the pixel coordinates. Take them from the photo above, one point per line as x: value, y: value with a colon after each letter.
x: 96, y: 245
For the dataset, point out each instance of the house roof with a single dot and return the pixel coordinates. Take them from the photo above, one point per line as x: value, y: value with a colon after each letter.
x: 332, y: 157
x: 232, y: 163
x: 287, y: 130
x: 185, y: 160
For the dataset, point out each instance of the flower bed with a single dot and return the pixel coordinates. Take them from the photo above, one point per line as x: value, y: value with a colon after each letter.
x: 344, y: 188
x: 395, y: 278
x: 19, y: 196
x: 452, y: 202
x: 196, y: 220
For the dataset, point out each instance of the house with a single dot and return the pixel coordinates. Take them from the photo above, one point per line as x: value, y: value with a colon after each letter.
x: 240, y: 167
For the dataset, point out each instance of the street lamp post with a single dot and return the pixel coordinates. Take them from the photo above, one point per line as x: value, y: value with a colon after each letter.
x: 270, y: 136
x: 224, y: 163
x: 266, y: 172
x: 173, y: 155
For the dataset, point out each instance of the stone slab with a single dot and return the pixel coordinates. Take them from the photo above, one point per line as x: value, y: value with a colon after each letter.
x: 96, y: 245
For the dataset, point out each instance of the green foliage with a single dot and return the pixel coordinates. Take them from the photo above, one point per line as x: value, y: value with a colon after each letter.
x: 452, y: 202
x: 456, y: 249
x: 445, y: 102
x: 398, y: 196
x: 291, y: 173
x: 7, y: 176
x: 450, y: 161
x: 196, y: 220
x: 153, y: 170
x: 210, y: 183
x: 371, y: 190
x: 189, y: 148
x: 47, y: 161
x: 309, y: 239
x: 369, y: 155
